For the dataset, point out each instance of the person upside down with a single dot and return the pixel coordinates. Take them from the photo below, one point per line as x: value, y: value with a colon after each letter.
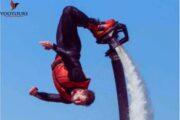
x: 68, y: 76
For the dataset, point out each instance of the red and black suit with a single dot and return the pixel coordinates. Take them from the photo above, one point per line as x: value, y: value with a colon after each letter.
x: 66, y: 68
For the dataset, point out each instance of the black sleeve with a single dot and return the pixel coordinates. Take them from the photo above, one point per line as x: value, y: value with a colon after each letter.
x: 51, y: 97
x: 61, y: 51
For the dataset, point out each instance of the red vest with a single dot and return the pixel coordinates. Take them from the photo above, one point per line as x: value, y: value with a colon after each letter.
x: 62, y: 82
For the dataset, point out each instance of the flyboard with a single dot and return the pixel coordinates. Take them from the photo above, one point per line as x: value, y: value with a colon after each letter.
x: 112, y: 39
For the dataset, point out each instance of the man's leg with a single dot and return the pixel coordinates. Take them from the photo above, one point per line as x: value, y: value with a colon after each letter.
x: 76, y: 17
x: 70, y: 19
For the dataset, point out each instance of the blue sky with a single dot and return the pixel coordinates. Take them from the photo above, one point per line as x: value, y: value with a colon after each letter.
x: 153, y: 30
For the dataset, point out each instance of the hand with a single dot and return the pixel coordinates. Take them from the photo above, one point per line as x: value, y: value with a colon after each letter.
x: 46, y: 44
x: 33, y: 91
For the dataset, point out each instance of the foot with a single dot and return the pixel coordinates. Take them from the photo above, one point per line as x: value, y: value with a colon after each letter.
x: 33, y: 91
x: 101, y: 29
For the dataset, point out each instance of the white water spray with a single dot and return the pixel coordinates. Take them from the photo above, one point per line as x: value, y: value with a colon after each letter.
x: 140, y: 108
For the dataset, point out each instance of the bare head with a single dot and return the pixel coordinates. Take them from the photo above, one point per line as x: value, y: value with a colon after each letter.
x: 82, y: 97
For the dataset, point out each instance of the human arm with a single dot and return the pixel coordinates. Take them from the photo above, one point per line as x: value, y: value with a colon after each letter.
x: 48, y: 46
x: 49, y: 97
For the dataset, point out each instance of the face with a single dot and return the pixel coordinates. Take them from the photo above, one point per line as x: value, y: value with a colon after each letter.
x: 79, y: 97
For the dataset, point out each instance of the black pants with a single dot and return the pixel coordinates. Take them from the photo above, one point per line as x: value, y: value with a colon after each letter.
x: 67, y: 34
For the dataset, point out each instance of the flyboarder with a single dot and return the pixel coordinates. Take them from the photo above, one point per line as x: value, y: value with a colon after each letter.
x: 68, y: 76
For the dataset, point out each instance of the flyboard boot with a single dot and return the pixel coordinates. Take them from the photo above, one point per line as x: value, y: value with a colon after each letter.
x: 104, y: 31
x: 100, y: 29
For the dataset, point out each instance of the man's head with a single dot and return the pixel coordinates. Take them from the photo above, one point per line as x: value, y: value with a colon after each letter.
x: 82, y: 97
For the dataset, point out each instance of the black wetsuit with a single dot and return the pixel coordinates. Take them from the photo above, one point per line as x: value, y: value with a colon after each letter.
x: 68, y: 46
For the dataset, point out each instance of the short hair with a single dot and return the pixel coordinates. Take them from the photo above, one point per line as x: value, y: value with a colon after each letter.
x: 90, y: 97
